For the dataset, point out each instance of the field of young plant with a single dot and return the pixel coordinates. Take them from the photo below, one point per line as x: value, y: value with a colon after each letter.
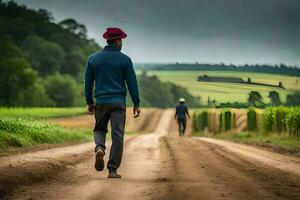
x: 229, y: 92
x: 275, y: 125
x: 41, y: 113
x: 23, y: 127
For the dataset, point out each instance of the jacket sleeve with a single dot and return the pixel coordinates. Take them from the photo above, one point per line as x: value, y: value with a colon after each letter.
x: 132, y: 84
x: 89, y: 79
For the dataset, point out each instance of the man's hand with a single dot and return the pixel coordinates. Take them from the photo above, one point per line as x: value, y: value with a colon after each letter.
x: 91, y: 108
x: 136, y: 112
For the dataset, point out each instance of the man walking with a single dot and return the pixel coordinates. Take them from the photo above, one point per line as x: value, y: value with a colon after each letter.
x: 111, y: 71
x: 181, y: 112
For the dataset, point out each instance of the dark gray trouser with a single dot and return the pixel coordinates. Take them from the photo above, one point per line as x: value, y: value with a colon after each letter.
x: 116, y: 113
x: 181, y: 122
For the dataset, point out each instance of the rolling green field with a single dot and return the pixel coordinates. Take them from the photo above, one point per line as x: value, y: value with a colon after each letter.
x: 229, y: 92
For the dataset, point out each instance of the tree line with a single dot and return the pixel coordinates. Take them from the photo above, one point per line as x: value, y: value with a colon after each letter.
x: 42, y: 62
x: 255, y: 99
x: 264, y: 68
x: 155, y: 93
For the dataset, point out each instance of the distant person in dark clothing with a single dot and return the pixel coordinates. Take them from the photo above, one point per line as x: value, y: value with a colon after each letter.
x: 110, y: 70
x: 181, y: 112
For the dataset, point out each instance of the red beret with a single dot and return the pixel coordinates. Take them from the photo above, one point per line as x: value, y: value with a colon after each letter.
x: 114, y: 33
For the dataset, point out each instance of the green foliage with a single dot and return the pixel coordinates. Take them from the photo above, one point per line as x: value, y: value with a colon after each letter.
x: 44, y: 56
x: 279, y: 115
x: 275, y: 98
x: 226, y: 120
x: 251, y: 120
x: 73, y: 64
x: 73, y: 27
x: 41, y: 113
x: 21, y: 132
x: 32, y: 47
x: 293, y: 121
x: 158, y: 94
x: 273, y: 119
x: 281, y: 120
x: 195, y: 122
x: 267, y: 120
x: 202, y: 119
x: 255, y: 99
x: 19, y: 29
x: 293, y: 99
x: 233, y: 105
x: 200, y: 67
x: 18, y: 82
x: 281, y: 123
x: 222, y: 95
x: 8, y: 49
x: 61, y: 89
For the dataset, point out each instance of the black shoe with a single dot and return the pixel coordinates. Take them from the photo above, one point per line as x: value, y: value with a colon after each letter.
x: 99, y: 162
x: 113, y: 174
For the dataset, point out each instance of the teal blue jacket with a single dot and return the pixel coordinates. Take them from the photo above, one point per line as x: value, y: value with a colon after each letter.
x: 110, y: 70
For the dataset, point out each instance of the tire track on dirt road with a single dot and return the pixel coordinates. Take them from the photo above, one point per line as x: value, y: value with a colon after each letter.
x: 196, y: 169
x: 29, y: 168
x: 146, y: 123
x: 36, y: 166
x: 163, y: 166
x: 205, y: 171
x: 276, y: 160
x: 140, y: 170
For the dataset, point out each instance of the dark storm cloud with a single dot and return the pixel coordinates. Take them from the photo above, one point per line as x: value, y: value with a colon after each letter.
x: 236, y: 31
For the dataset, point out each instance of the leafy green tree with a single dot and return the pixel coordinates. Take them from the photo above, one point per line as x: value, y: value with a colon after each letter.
x: 255, y: 99
x: 155, y: 93
x: 18, y: 81
x: 45, y: 15
x: 293, y: 99
x: 74, y: 27
x: 275, y: 98
x: 61, y: 89
x: 64, y: 39
x: 16, y: 77
x: 44, y: 56
x: 73, y: 64
x: 19, y: 29
x: 31, y: 46
x: 7, y: 48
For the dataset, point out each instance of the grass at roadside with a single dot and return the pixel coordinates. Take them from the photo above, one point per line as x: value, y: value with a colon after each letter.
x: 41, y: 113
x: 21, y: 132
x: 277, y: 142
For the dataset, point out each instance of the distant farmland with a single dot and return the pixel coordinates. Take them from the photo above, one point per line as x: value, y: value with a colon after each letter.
x: 229, y: 92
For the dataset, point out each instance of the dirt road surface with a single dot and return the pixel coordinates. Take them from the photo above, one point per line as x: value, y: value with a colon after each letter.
x: 146, y: 123
x: 162, y: 165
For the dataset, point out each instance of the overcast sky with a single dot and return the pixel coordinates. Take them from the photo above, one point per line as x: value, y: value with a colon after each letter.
x: 229, y: 31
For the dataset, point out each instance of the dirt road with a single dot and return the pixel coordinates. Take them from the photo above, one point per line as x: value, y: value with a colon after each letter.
x: 161, y: 165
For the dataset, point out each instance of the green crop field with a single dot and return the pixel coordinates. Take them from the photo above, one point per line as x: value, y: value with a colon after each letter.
x: 229, y: 92
x: 41, y: 113
x: 21, y: 132
x: 273, y: 126
x: 26, y: 127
